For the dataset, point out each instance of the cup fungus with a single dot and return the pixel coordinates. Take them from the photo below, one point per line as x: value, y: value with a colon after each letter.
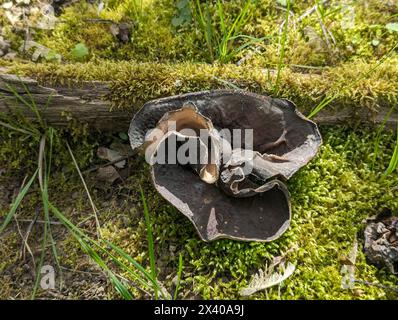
x: 221, y: 158
x: 381, y: 240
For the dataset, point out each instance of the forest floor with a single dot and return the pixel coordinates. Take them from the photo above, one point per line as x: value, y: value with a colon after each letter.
x: 340, y: 50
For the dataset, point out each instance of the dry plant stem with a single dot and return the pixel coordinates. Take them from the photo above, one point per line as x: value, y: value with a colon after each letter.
x: 109, y: 163
x: 95, y: 210
x: 28, y: 231
x: 377, y: 285
x: 81, y: 271
x: 40, y: 160
x: 24, y: 245
x: 98, y: 20
x: 40, y: 221
x: 323, y: 27
x: 291, y: 14
x: 310, y: 11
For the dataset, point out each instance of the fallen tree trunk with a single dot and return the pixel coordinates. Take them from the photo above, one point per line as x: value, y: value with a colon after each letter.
x: 86, y: 104
x: 59, y: 105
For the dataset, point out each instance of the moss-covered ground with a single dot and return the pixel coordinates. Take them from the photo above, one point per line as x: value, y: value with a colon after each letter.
x: 331, y: 196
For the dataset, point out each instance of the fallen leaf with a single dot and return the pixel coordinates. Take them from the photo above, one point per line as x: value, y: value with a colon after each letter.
x: 108, y: 174
x: 267, y: 278
x: 111, y: 155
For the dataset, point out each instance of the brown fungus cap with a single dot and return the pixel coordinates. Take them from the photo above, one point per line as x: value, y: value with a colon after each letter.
x: 220, y: 196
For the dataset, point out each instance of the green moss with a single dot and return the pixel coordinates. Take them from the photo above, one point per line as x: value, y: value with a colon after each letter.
x: 353, y: 27
x: 133, y: 83
x: 330, y: 198
x: 9, y: 259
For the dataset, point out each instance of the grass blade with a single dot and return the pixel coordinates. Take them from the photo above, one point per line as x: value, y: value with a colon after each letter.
x: 17, y: 202
x: 378, y: 137
x: 140, y: 268
x: 205, y: 24
x: 220, y: 11
x: 123, y: 291
x: 44, y: 195
x: 87, y: 191
x: 83, y: 241
x: 79, y: 235
x: 32, y: 106
x: 282, y: 48
x: 179, y: 272
x: 394, y: 159
x: 232, y: 32
x: 8, y: 126
x: 149, y: 237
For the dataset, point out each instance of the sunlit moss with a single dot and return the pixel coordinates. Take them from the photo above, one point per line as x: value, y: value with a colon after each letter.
x: 341, y: 32
x: 330, y: 197
x: 134, y: 83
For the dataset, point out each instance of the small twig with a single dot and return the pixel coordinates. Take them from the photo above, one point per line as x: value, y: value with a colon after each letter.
x: 228, y: 83
x: 80, y: 271
x: 310, y: 11
x: 41, y: 221
x: 57, y: 295
x: 331, y: 36
x: 26, y: 244
x: 256, y: 49
x: 306, y: 13
x: 323, y: 27
x: 28, y: 231
x: 291, y: 14
x: 394, y: 289
x: 278, y: 259
x: 98, y: 20
x: 109, y: 163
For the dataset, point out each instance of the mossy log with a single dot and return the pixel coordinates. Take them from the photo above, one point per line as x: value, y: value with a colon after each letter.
x: 59, y: 105
x: 87, y: 103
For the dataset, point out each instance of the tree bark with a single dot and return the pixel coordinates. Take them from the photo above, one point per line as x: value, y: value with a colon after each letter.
x: 86, y: 103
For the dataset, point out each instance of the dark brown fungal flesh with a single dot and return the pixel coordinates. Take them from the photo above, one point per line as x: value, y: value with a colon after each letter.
x: 241, y: 205
x: 214, y: 214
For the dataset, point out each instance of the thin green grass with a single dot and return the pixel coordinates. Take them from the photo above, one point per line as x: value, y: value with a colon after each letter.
x: 146, y: 281
x: 84, y: 242
x: 220, y: 41
x: 31, y: 105
x: 282, y: 48
x: 328, y: 99
x: 95, y: 210
x: 134, y: 9
x: 144, y: 278
x: 43, y: 183
x: 17, y: 202
x: 205, y: 23
x: 179, y: 272
x: 151, y: 246
x: 394, y: 159
x: 153, y: 276
x: 378, y: 136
